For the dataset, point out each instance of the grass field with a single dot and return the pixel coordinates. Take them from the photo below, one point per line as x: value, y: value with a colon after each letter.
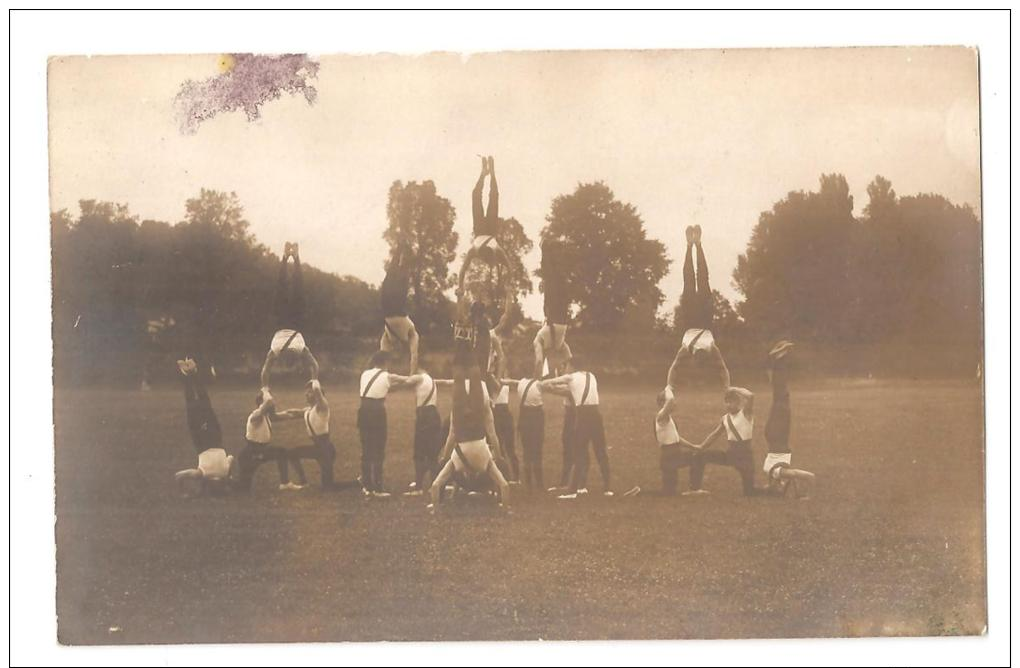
x: 892, y: 542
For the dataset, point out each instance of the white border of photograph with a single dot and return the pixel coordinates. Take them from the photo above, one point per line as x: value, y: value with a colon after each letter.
x: 36, y: 36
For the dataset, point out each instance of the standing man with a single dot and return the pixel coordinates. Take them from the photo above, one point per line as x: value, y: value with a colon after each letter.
x: 290, y: 311
x: 257, y: 450
x: 214, y: 464
x: 398, y: 328
x: 504, y: 422
x: 530, y: 428
x: 376, y: 383
x: 781, y: 475
x: 567, y: 442
x: 583, y: 390
x: 428, y: 437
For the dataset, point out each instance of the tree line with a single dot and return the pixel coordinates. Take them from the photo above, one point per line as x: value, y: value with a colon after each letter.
x: 908, y: 270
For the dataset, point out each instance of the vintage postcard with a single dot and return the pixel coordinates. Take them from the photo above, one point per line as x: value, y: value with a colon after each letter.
x: 533, y: 345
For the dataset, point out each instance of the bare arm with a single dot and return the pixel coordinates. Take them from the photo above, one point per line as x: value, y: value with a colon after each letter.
x: 290, y: 414
x: 490, y: 431
x: 667, y: 407
x: 556, y: 386
x: 319, y: 399
x: 672, y: 377
x: 509, y: 382
x: 266, y: 366
x: 497, y: 350
x: 748, y: 397
x: 724, y: 372
x: 712, y: 437
x: 450, y: 441
x: 398, y: 381
x: 443, y: 382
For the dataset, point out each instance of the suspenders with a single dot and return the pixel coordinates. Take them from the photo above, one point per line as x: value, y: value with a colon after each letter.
x: 733, y: 428
x: 524, y: 394
x: 431, y: 394
x: 587, y: 386
x: 695, y: 340
x: 287, y: 344
x: 371, y: 383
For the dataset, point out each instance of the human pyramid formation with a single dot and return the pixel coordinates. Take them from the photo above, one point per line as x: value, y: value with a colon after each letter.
x: 477, y: 453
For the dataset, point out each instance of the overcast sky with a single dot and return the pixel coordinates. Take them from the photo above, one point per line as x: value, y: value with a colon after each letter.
x: 708, y: 137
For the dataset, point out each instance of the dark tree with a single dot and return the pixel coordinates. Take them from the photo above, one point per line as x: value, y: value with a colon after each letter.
x: 795, y: 274
x: 421, y: 228
x: 613, y: 269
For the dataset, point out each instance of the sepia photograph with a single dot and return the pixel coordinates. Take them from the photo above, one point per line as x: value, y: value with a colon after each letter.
x: 517, y: 345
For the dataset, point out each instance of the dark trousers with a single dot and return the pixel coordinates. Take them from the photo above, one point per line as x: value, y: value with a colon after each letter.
x: 589, y: 430
x: 738, y: 455
x: 672, y: 458
x: 322, y: 451
x: 696, y: 302
x: 504, y: 423
x: 290, y: 299
x: 531, y: 429
x: 485, y: 222
x: 428, y: 441
x: 777, y: 428
x: 372, y: 430
x: 203, y: 425
x: 253, y: 455
x: 567, y: 439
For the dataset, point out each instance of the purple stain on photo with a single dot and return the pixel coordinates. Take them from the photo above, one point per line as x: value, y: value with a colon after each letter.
x: 246, y: 81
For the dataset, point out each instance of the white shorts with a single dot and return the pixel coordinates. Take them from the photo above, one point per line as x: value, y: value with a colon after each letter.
x: 397, y: 330
x: 775, y: 461
x: 214, y: 463
x: 704, y: 339
x: 280, y: 339
x: 550, y: 335
x: 478, y: 458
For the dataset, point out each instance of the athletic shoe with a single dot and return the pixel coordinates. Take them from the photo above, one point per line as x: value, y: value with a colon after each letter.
x: 572, y: 495
x: 414, y: 492
x: 608, y: 492
x: 381, y: 495
x: 513, y: 482
x: 413, y: 485
x: 555, y: 489
x: 582, y: 491
x: 284, y: 486
x: 633, y: 491
x: 695, y: 492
